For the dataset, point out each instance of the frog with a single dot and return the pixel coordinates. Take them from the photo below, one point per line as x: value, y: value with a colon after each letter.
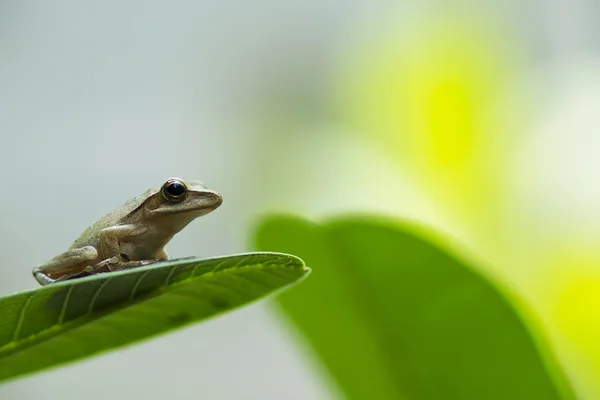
x: 134, y: 234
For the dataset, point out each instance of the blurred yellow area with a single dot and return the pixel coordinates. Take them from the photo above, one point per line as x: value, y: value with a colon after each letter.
x: 449, y: 120
x: 576, y: 306
x: 427, y: 92
x: 569, y: 301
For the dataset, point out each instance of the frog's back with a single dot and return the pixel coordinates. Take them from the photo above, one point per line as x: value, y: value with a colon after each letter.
x: 89, y: 237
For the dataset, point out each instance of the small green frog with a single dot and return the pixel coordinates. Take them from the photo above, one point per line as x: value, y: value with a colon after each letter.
x: 134, y: 234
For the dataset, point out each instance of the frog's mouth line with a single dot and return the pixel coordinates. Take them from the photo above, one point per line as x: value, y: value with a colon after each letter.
x: 184, y: 210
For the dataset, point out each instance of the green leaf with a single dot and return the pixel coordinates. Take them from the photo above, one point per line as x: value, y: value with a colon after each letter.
x: 393, y: 316
x: 71, y: 320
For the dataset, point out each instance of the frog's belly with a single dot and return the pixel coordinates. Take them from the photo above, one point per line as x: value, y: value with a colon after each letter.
x: 136, y: 251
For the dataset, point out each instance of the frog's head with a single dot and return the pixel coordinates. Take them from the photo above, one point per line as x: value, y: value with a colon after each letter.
x: 180, y: 202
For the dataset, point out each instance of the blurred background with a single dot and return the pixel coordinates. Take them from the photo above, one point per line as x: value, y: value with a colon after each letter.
x: 477, y: 118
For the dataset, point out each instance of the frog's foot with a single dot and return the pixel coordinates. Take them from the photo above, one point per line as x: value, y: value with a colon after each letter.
x: 44, y: 279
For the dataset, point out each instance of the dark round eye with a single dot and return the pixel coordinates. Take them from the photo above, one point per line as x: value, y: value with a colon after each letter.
x: 174, y: 190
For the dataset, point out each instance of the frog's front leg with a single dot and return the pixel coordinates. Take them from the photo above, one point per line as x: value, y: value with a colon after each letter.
x: 110, y: 248
x: 112, y: 236
x: 65, y: 265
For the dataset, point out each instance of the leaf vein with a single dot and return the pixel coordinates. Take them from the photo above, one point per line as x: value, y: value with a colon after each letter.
x: 137, y: 284
x: 170, y: 275
x: 63, y: 310
x: 95, y: 297
x: 21, y: 318
x: 252, y: 281
x: 216, y: 268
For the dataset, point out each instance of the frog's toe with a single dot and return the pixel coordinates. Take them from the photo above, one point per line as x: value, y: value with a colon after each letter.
x: 88, y: 252
x: 42, y: 278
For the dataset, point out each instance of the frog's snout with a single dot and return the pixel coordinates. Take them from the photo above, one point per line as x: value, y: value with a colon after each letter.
x: 215, y: 198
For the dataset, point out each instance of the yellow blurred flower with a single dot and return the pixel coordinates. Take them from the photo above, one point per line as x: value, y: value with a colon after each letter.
x: 428, y: 93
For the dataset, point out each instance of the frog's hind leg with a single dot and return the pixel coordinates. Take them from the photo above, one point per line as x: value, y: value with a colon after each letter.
x: 65, y: 265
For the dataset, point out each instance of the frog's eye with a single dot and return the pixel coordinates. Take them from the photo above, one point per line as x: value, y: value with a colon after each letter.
x: 174, y: 190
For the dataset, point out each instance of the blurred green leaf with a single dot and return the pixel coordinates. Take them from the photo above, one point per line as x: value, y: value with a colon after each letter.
x: 70, y: 320
x: 392, y: 316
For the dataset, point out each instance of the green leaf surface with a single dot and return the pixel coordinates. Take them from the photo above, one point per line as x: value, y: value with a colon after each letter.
x: 392, y: 315
x: 70, y: 320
